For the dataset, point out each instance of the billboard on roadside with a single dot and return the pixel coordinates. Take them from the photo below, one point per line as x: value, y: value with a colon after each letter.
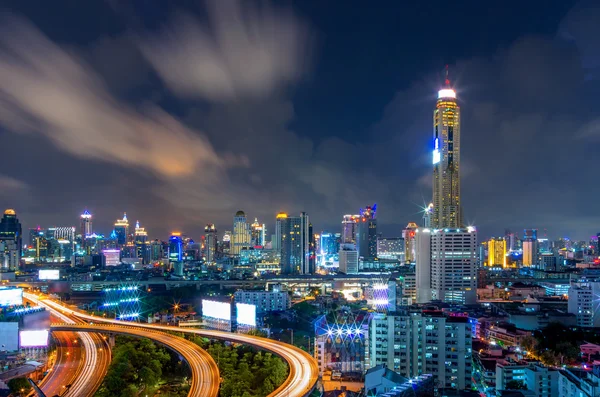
x: 215, y: 309
x: 33, y: 338
x: 49, y: 274
x: 11, y: 296
x: 245, y: 314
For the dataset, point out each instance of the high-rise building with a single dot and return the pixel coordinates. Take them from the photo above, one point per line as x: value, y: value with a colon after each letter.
x: 446, y: 265
x: 294, y: 243
x: 584, y: 304
x: 312, y: 250
x: 366, y: 233
x: 142, y: 246
x: 210, y: 243
x: 423, y: 342
x: 276, y: 243
x: 241, y: 233
x: 86, y: 224
x: 390, y: 248
x: 257, y: 234
x: 175, y: 247
x: 348, y: 259
x: 409, y: 234
x: 447, y: 212
x: 530, y: 247
x: 226, y: 242
x: 349, y: 229
x: 122, y: 230
x: 496, y: 252
x: 11, y: 240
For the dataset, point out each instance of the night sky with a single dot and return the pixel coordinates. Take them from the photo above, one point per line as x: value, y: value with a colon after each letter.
x: 182, y: 113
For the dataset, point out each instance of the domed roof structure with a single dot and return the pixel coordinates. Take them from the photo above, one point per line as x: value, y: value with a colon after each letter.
x: 240, y: 213
x: 10, y: 211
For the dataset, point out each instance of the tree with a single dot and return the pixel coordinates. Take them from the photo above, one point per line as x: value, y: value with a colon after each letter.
x: 529, y: 343
x: 516, y: 385
x: 19, y: 386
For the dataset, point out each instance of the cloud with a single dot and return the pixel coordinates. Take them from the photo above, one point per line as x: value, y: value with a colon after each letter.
x: 246, y: 51
x: 48, y: 90
x: 9, y: 185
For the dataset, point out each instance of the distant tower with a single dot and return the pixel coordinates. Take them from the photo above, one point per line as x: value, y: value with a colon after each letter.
x: 349, y: 229
x: 257, y: 232
x: 210, y: 240
x: 409, y: 242
x: 175, y: 247
x: 142, y: 246
x: 122, y: 230
x: 295, y: 243
x: 11, y: 240
x: 241, y: 233
x: 366, y: 233
x: 86, y: 224
x: 276, y: 243
x: 447, y: 212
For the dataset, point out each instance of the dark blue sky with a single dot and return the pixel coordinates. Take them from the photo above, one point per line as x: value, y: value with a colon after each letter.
x: 180, y: 113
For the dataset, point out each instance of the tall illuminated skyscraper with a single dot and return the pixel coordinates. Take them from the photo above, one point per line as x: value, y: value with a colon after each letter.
x: 349, y: 229
x: 86, y: 224
x: 210, y: 241
x: 447, y: 212
x: 241, y: 233
x: 142, y: 246
x: 257, y: 232
x: 122, y: 230
x: 11, y: 240
x: 366, y: 233
x: 496, y: 252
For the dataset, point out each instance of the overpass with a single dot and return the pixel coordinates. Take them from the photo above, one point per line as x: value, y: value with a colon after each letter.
x: 303, y: 369
x: 308, y: 281
x: 205, y: 373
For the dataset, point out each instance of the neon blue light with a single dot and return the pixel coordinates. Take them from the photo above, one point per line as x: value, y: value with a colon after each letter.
x: 436, y: 156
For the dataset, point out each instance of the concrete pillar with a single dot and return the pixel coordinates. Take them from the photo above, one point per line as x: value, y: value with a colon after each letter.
x: 111, y: 340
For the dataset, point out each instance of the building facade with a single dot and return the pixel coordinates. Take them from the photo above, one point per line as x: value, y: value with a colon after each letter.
x: 584, y: 303
x: 210, y: 243
x: 265, y: 301
x: 11, y: 240
x: 241, y: 233
x: 294, y: 243
x: 348, y: 257
x: 366, y: 233
x: 496, y: 252
x: 446, y: 265
x: 417, y: 342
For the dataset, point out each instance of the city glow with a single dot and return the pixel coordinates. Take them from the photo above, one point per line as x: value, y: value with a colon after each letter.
x: 446, y: 93
x: 436, y: 156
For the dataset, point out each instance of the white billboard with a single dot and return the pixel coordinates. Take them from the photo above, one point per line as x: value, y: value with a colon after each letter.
x: 246, y: 314
x: 218, y: 310
x: 11, y: 296
x: 33, y: 338
x: 49, y: 274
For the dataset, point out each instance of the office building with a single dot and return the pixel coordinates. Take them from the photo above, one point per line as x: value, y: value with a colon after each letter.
x: 366, y: 233
x: 348, y: 257
x: 446, y: 265
x: 85, y: 228
x: 496, y: 252
x: 390, y: 248
x: 241, y: 233
x: 530, y: 247
x: 265, y: 301
x: 122, y: 230
x: 349, y: 229
x: 257, y: 234
x: 11, y: 240
x: 294, y: 243
x: 409, y: 234
x: 329, y: 244
x: 577, y: 382
x: 584, y: 303
x: 226, y: 242
x: 210, y: 243
x: 416, y: 342
x: 447, y: 212
x: 312, y: 250
x: 539, y: 380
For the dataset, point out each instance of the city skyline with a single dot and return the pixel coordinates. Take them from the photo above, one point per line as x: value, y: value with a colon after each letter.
x: 371, y: 146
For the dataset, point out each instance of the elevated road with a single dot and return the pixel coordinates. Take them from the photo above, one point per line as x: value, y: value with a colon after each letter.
x: 205, y: 373
x: 303, y: 368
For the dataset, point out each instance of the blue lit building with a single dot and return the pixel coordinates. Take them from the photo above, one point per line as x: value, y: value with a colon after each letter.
x: 175, y: 248
x: 11, y: 240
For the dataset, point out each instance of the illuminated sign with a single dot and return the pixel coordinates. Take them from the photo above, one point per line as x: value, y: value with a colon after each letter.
x: 446, y: 93
x: 11, y: 296
x: 218, y: 310
x: 49, y: 274
x: 246, y: 314
x: 436, y: 151
x: 33, y: 338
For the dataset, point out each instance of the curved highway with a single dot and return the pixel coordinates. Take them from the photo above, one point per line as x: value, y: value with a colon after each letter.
x: 205, y: 373
x: 304, y: 371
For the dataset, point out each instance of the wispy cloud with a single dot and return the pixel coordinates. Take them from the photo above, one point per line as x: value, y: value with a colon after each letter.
x: 246, y: 51
x: 50, y: 91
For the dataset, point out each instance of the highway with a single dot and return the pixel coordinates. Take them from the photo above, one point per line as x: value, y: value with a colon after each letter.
x: 205, y: 373
x: 304, y: 371
x: 81, y: 364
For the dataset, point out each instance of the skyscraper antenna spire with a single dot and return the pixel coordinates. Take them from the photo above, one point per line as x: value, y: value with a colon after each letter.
x: 447, y: 79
